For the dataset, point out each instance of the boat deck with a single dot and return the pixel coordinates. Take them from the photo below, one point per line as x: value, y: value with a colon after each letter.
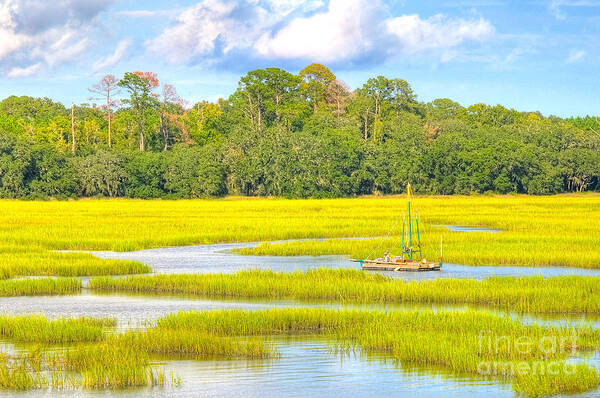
x: 399, y: 265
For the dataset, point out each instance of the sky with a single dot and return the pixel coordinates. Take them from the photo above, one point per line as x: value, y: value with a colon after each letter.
x: 529, y: 55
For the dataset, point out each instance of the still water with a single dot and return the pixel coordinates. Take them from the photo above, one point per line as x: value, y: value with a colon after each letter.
x: 307, y: 366
x: 219, y: 258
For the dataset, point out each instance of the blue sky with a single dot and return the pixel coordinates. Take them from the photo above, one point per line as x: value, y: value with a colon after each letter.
x: 528, y: 55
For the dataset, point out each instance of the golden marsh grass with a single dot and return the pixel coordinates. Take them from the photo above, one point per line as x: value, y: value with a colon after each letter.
x: 538, y: 231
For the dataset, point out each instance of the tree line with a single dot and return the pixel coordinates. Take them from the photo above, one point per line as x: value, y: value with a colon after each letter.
x: 281, y: 134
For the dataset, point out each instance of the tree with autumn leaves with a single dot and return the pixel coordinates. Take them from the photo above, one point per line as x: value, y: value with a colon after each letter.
x: 142, y: 98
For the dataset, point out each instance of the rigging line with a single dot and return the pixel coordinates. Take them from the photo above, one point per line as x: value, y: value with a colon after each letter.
x: 386, y: 238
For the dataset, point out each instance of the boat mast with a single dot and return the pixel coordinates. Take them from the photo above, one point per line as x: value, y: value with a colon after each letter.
x: 441, y: 248
x: 409, y: 224
x: 403, y: 234
x: 418, y: 234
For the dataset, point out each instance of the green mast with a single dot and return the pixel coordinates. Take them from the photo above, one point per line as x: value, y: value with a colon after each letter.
x: 409, y: 225
x: 403, y: 233
x: 410, y: 251
x: 418, y: 234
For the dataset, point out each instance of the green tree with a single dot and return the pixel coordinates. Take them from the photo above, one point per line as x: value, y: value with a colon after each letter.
x: 444, y: 108
x: 363, y: 110
x: 268, y: 97
x: 52, y: 174
x: 582, y: 168
x: 316, y: 79
x: 40, y: 110
x: 171, y: 116
x: 141, y: 98
x: 101, y: 174
x: 195, y: 172
x: 202, y: 122
x: 145, y: 175
x: 389, y: 94
x: 15, y: 167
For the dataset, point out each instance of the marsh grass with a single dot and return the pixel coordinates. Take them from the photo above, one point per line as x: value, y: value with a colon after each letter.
x: 449, y: 340
x: 454, y: 341
x: 40, y: 329
x: 94, y: 357
x: 19, y: 261
x: 582, y: 379
x: 19, y: 376
x: 507, y: 248
x: 105, y: 365
x: 536, y: 294
x: 551, y: 230
x: 186, y: 344
x: 39, y: 287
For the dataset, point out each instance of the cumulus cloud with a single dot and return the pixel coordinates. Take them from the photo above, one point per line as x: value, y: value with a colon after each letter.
x: 112, y: 60
x: 355, y: 31
x: 197, y: 31
x: 38, y: 33
x: 343, y: 32
x: 10, y: 40
x: 35, y: 16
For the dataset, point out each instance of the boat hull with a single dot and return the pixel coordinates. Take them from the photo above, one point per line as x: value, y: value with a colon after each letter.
x: 396, y: 266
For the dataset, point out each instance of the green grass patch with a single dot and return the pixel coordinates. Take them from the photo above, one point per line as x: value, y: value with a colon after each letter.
x: 17, y: 262
x: 39, y: 287
x: 534, y: 358
x: 40, y: 329
x: 484, y: 345
x: 536, y: 294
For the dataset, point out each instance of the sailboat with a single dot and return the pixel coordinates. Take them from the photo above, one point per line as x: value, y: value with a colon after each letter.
x: 411, y: 256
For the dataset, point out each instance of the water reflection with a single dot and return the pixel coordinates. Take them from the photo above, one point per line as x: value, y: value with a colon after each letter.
x: 218, y: 258
x: 136, y: 310
x: 307, y: 368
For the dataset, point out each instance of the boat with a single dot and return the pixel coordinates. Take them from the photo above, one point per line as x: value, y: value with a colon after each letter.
x: 411, y: 256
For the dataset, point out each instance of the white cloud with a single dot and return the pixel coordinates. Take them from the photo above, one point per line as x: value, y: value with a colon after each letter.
x: 438, y: 32
x: 66, y: 49
x: 42, y: 33
x: 10, y: 40
x: 146, y: 13
x: 575, y: 56
x: 343, y: 32
x: 285, y: 7
x: 17, y: 72
x: 358, y: 31
x: 112, y: 60
x: 196, y: 31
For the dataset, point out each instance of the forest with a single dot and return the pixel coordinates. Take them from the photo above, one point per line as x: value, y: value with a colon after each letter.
x: 285, y: 135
